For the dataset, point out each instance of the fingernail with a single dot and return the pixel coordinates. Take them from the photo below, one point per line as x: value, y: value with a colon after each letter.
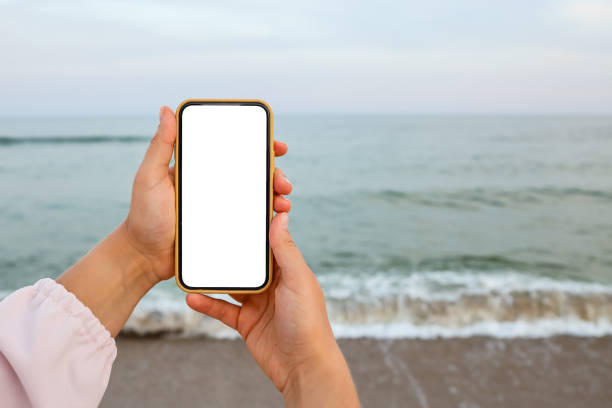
x: 287, y: 180
x: 283, y: 219
x: 161, y: 113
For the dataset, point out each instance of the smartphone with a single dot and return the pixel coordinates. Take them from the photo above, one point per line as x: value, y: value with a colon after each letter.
x: 224, y: 163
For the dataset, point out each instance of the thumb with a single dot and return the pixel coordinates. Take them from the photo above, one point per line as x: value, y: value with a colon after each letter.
x: 158, y: 156
x: 287, y: 255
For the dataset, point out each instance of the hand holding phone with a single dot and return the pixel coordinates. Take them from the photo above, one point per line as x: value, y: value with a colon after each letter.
x: 151, y: 222
x: 113, y: 277
x: 287, y: 331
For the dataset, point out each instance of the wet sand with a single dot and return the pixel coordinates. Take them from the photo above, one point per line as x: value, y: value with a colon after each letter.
x: 472, y: 372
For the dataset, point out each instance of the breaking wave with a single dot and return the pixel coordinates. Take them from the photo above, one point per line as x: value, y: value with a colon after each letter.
x: 422, y: 305
x: 11, y: 140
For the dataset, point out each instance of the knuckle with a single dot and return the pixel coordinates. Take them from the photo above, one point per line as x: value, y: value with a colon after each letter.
x: 288, y: 241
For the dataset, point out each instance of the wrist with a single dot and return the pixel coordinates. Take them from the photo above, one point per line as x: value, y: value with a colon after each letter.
x: 110, y: 280
x: 323, y: 379
x: 153, y: 249
x: 140, y: 268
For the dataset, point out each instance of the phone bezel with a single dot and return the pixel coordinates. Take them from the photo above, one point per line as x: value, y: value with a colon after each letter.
x: 178, y: 186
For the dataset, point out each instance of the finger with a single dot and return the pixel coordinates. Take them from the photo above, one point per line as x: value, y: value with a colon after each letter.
x: 287, y: 255
x: 281, y: 204
x: 280, y: 148
x: 171, y: 173
x: 219, y: 309
x: 282, y: 185
x: 160, y: 150
x: 240, y: 298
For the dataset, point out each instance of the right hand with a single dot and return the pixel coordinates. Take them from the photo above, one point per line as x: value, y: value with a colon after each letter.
x: 286, y: 329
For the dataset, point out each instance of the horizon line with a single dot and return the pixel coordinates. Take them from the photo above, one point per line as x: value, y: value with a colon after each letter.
x: 328, y: 113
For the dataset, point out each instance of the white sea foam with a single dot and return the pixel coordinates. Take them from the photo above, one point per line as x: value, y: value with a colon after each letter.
x: 422, y: 305
x: 448, y: 285
x: 515, y: 329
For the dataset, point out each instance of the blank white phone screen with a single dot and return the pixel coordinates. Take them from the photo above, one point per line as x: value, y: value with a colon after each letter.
x: 223, y: 196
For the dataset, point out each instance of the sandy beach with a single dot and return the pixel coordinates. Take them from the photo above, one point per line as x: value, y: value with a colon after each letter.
x: 470, y: 372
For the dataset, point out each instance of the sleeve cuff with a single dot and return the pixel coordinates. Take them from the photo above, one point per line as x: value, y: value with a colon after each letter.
x: 90, y: 325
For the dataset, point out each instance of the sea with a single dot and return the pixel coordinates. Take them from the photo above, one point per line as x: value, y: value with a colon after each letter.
x: 415, y: 226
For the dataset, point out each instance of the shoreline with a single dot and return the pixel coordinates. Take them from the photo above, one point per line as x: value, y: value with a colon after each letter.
x: 457, y: 372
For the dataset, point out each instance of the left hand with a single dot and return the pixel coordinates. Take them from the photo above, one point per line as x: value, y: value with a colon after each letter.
x: 112, y: 278
x: 150, y: 225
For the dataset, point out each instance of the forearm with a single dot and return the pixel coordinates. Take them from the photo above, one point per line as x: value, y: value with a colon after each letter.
x: 110, y: 279
x: 326, y: 382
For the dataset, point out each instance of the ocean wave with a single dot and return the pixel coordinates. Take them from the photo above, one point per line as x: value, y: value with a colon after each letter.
x: 478, y: 197
x: 424, y: 305
x: 516, y: 329
x: 448, y: 285
x: 18, y: 140
x: 344, y: 263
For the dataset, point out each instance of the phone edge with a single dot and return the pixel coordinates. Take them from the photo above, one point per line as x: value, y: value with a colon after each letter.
x: 271, y: 157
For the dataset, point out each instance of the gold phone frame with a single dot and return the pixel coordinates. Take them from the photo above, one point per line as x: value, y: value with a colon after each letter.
x: 177, y: 179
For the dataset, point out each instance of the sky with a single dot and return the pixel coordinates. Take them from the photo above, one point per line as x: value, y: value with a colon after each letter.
x: 318, y: 56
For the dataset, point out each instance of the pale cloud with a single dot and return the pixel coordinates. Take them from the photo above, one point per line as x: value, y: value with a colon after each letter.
x: 341, y: 56
x: 590, y: 15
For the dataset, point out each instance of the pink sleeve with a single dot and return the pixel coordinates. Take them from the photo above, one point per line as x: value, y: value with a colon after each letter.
x: 53, y: 351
